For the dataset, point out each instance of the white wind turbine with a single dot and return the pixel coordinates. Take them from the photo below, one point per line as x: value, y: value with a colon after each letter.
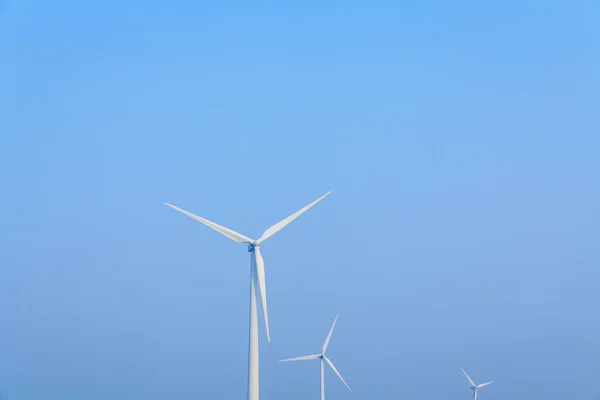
x: 475, y: 387
x: 257, y: 277
x: 324, y: 360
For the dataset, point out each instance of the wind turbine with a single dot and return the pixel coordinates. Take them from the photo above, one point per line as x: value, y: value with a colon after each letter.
x: 324, y: 360
x: 475, y: 387
x: 257, y: 277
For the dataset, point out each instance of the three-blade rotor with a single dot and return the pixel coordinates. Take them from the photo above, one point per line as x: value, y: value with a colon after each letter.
x: 475, y: 386
x: 322, y: 355
x: 257, y: 259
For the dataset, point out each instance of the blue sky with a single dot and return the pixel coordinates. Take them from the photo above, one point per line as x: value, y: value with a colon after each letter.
x: 460, y: 140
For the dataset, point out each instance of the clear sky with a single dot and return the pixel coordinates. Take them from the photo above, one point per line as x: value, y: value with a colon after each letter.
x: 462, y: 144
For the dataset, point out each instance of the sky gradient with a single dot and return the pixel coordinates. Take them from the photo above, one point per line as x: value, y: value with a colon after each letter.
x: 461, y: 141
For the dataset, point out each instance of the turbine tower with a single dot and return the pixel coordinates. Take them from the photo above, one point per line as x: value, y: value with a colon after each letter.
x: 257, y: 278
x: 475, y: 387
x: 323, y: 360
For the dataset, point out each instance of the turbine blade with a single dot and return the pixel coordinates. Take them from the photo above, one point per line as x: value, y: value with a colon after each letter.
x: 484, y: 384
x: 303, y: 358
x: 260, y: 273
x: 329, y: 335
x: 238, y: 237
x: 470, y: 380
x: 280, y: 225
x: 328, y: 361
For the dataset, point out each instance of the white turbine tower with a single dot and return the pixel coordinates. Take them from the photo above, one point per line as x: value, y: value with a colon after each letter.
x: 257, y: 277
x: 324, y: 360
x: 475, y: 387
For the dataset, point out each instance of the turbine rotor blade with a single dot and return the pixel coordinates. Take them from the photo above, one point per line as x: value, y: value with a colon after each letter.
x: 328, y: 361
x: 484, y: 384
x: 470, y: 380
x: 238, y: 237
x: 303, y: 358
x: 329, y: 335
x: 280, y: 225
x: 260, y: 273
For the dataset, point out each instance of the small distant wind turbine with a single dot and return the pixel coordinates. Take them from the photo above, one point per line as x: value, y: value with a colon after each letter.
x: 475, y: 387
x: 323, y: 360
x: 257, y: 277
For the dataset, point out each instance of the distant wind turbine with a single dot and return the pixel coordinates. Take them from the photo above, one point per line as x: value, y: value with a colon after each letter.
x: 475, y: 387
x: 323, y: 360
x: 257, y: 277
